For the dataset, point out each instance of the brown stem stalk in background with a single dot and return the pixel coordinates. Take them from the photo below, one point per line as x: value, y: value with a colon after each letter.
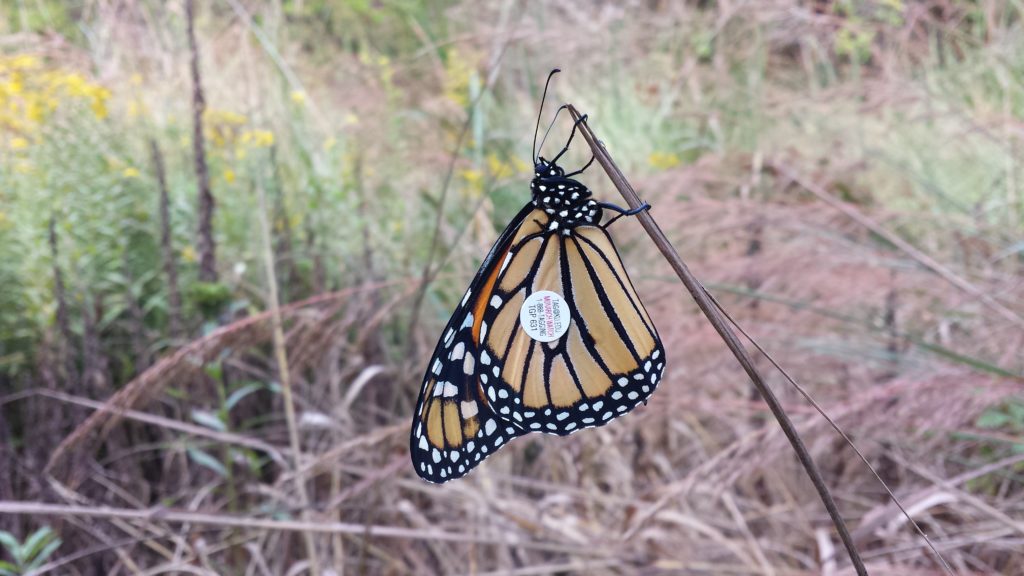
x: 281, y: 355
x: 721, y: 325
x: 167, y: 245
x: 206, y: 245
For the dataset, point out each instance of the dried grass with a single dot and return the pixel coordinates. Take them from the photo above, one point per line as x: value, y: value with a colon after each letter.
x: 699, y: 481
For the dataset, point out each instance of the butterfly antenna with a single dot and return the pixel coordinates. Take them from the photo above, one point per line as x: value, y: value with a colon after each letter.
x: 543, y: 97
x: 550, y: 126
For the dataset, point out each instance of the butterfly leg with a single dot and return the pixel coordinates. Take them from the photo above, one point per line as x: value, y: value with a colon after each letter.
x: 622, y: 211
x: 575, y: 125
x: 581, y: 170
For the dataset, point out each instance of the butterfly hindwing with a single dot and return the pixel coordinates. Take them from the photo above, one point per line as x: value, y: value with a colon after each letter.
x: 608, y: 361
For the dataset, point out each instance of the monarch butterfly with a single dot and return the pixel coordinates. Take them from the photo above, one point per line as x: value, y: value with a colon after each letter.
x: 550, y: 336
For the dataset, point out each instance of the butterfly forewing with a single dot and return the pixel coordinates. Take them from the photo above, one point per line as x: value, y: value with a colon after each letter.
x: 608, y: 361
x: 454, y: 428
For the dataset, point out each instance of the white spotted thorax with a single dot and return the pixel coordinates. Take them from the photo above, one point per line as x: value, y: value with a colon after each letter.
x: 566, y: 201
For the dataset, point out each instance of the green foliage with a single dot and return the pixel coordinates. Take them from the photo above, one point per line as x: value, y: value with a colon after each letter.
x: 210, y: 298
x: 1007, y: 417
x: 42, y: 16
x: 28, y: 555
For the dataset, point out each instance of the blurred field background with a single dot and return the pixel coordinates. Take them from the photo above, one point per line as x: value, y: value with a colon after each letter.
x: 843, y: 175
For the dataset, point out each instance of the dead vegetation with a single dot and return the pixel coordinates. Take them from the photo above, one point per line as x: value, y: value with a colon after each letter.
x: 841, y: 176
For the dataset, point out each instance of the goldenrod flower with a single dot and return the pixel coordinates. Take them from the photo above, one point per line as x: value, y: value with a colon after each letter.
x: 458, y: 70
x: 254, y: 138
x: 474, y: 178
x: 663, y: 160
x: 498, y: 168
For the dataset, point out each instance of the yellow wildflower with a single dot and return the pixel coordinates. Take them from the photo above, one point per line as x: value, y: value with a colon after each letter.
x: 330, y: 143
x: 188, y: 254
x: 458, y: 70
x: 298, y: 97
x: 498, y: 168
x: 23, y: 62
x: 222, y: 127
x: 663, y: 160
x: 229, y: 176
x: 19, y: 143
x: 474, y: 178
x: 99, y: 102
x: 13, y: 86
x: 130, y: 172
x: 351, y: 119
x: 262, y: 138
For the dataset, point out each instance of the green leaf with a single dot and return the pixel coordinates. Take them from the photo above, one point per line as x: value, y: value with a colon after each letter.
x: 208, y: 419
x: 213, y: 370
x: 992, y: 419
x: 176, y: 393
x: 8, y: 569
x: 241, y: 393
x: 207, y: 461
x: 45, y: 553
x: 1015, y: 410
x: 9, y: 542
x: 35, y: 542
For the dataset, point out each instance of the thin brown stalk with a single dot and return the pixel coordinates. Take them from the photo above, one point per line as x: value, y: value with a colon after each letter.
x: 281, y: 355
x: 170, y: 263
x: 842, y: 433
x: 205, y: 243
x: 721, y: 325
x: 249, y: 522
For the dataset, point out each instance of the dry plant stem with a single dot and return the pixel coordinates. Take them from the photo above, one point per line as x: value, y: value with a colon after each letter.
x: 206, y: 243
x: 281, y: 355
x: 167, y: 245
x: 255, y: 523
x: 842, y: 433
x: 922, y: 258
x: 728, y: 336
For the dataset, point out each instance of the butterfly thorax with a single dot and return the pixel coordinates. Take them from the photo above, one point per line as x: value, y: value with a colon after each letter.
x: 568, y: 202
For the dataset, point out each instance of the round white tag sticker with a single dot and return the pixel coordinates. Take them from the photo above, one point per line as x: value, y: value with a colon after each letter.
x: 545, y: 316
